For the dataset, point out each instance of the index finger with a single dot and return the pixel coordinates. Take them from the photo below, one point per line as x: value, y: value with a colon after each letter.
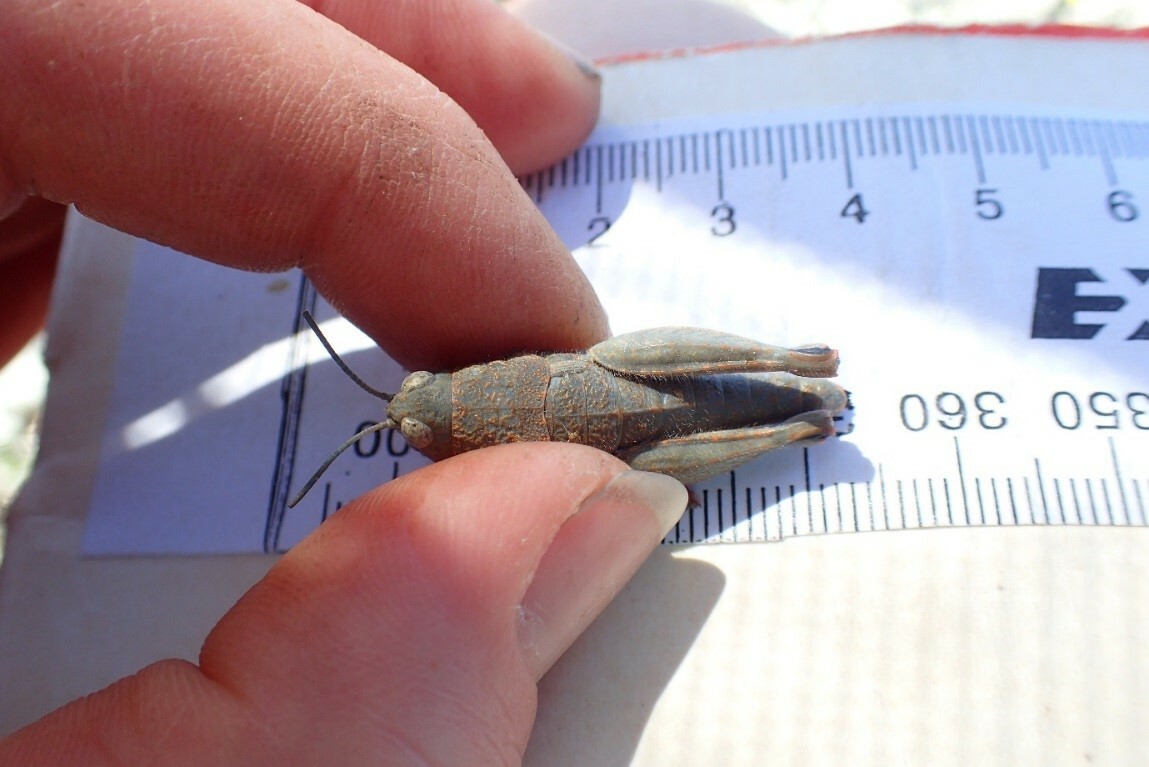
x: 263, y: 136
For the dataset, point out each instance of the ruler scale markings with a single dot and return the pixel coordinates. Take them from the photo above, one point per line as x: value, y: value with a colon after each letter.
x: 1012, y: 502
x: 831, y: 138
x: 882, y: 137
x: 719, y: 525
x: 859, y: 149
x: 837, y: 487
x: 825, y: 514
x: 821, y: 141
x: 1076, y: 501
x: 1087, y: 138
x: 658, y: 166
x: 1060, y: 500
x: 1120, y: 481
x: 975, y: 149
x: 980, y: 504
x: 1119, y: 131
x: 1075, y: 141
x: 948, y: 133
x: 1130, y: 139
x: 933, y: 500
x: 1003, y: 130
x: 1041, y: 489
x: 750, y: 516
x: 901, y: 504
x: 1106, y: 159
x: 917, y: 502
x: 1059, y: 129
x: 994, y: 128
x: 949, y: 503
x: 910, y: 151
x: 896, y: 135
x: 1048, y: 139
x: 806, y: 148
x: 778, y: 510
x: 870, y: 505
x: 782, y: 151
x: 1112, y: 142
x: 959, y: 134
x: 793, y: 512
x: 690, y: 524
x: 1018, y: 123
x: 705, y: 514
x: 1042, y: 155
x: 854, y: 504
x: 1108, y: 501
x: 1029, y: 501
x: 734, y: 502
x: 1091, y: 496
x: 846, y: 157
x: 870, y: 137
x: 920, y: 134
x: 1140, y: 502
x: 718, y: 165
x: 757, y: 147
x: 996, y: 502
x: 598, y: 180
x: 882, y: 495
x: 769, y: 145
x: 988, y: 138
x: 809, y: 510
x: 1015, y: 145
x: 961, y: 480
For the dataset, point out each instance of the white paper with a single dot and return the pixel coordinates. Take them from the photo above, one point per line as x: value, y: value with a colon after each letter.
x: 914, y: 246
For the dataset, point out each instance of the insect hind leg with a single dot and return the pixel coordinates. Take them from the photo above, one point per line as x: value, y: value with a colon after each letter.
x: 697, y: 457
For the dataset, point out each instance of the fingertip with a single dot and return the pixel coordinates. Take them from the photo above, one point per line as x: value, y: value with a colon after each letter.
x: 591, y: 559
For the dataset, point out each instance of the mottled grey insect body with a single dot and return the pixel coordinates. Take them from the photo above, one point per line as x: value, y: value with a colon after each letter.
x: 686, y: 402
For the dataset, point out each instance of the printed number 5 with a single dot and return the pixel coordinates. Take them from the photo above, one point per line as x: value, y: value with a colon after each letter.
x: 987, y: 207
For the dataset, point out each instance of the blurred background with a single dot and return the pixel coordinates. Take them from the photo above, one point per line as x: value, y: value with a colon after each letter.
x: 23, y: 382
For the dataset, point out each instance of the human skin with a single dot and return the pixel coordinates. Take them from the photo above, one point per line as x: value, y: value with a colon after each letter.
x: 413, y: 626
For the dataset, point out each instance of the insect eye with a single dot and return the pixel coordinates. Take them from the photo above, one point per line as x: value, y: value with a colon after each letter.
x: 417, y: 433
x: 415, y: 380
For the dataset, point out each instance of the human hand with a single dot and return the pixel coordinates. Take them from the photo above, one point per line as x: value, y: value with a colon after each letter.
x: 264, y: 136
x: 409, y: 629
x: 412, y: 626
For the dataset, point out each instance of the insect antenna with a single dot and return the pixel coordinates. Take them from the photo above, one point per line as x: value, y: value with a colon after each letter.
x: 387, y: 424
x: 384, y: 424
x: 339, y: 360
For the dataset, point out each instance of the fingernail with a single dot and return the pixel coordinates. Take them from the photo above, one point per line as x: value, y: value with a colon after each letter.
x: 592, y: 557
x: 581, y: 62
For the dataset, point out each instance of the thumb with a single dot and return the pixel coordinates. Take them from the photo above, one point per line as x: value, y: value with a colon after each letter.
x: 410, y: 628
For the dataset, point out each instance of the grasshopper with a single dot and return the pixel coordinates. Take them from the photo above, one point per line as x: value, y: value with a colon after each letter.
x: 687, y: 402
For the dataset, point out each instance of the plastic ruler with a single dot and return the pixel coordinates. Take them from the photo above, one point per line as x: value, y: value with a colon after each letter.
x: 984, y: 274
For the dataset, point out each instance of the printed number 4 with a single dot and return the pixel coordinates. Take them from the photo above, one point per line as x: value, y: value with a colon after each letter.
x: 855, y: 209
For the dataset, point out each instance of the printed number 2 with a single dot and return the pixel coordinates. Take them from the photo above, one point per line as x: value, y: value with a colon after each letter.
x: 855, y: 209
